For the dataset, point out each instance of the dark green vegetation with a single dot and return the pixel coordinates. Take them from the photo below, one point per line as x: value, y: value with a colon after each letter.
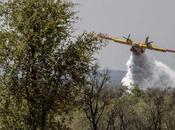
x: 49, y: 79
x: 108, y: 107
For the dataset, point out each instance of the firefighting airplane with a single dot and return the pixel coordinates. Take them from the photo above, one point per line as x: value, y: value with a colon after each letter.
x: 136, y: 47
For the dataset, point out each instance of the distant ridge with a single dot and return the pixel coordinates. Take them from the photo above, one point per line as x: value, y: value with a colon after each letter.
x: 116, y: 76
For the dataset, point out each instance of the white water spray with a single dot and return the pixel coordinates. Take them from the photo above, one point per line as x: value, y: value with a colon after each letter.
x: 147, y: 73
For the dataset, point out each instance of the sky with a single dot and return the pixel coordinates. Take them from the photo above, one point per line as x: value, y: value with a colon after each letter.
x: 140, y: 18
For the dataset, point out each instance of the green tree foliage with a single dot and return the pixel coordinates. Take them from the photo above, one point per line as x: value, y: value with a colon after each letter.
x: 43, y: 64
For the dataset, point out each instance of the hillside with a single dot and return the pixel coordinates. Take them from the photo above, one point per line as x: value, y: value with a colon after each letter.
x: 116, y: 76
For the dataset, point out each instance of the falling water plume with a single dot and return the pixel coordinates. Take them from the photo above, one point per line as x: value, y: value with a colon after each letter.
x: 147, y: 73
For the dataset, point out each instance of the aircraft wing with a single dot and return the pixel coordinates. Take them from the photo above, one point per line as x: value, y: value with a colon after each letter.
x: 139, y: 44
x: 155, y: 48
x: 151, y: 47
x: 117, y: 40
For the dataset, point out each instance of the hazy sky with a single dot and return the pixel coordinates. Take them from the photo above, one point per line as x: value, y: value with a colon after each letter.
x: 155, y: 18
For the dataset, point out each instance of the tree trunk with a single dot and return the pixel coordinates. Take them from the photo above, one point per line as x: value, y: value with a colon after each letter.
x: 43, y: 121
x: 32, y: 120
x: 94, y: 126
x: 43, y: 117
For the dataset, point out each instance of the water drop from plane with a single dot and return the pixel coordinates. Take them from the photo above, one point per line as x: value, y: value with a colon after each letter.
x: 147, y: 73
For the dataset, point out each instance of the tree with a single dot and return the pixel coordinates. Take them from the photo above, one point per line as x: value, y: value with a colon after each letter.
x: 155, y: 108
x: 115, y: 104
x: 43, y: 64
x: 95, y: 99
